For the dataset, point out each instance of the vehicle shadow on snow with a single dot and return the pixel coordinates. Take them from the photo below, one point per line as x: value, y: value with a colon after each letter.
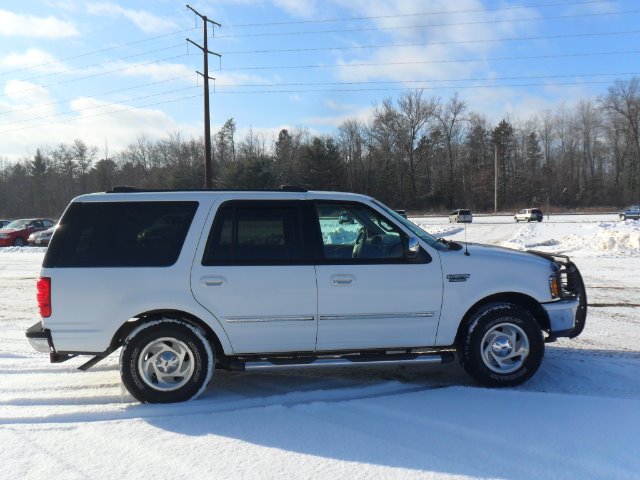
x: 427, y: 419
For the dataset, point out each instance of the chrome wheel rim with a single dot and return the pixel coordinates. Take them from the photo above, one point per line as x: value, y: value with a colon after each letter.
x: 166, y: 364
x: 504, y: 348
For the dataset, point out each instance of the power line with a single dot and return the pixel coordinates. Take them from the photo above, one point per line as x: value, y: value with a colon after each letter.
x: 417, y: 14
x: 394, y: 89
x: 53, y: 115
x: 94, y: 52
x: 431, y: 80
x: 118, y: 59
x: 130, y: 67
x: 431, y: 25
x: 451, y: 42
x: 101, y: 114
x: 108, y: 92
x: 369, y: 82
x: 425, y: 62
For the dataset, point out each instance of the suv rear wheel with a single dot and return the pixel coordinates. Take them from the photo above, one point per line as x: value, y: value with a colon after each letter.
x: 166, y: 361
x: 502, y: 346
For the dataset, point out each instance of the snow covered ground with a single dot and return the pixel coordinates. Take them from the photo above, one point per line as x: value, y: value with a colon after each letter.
x: 578, y: 418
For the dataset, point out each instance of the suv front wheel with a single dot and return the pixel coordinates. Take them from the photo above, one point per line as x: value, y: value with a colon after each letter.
x: 502, y: 345
x: 166, y: 361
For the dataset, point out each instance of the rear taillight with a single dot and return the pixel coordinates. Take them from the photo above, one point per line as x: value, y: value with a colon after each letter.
x: 44, y: 296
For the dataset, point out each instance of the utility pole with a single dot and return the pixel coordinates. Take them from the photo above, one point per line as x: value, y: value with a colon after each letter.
x: 205, y: 75
x: 495, y: 180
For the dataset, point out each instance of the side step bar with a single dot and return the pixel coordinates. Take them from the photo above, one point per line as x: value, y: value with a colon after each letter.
x: 341, y: 361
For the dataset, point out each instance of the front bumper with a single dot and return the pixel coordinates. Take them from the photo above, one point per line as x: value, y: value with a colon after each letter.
x: 562, y: 317
x: 568, y: 316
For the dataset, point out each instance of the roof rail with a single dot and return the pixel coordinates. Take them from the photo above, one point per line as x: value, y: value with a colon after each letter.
x: 123, y: 189
x: 292, y: 188
x: 131, y: 189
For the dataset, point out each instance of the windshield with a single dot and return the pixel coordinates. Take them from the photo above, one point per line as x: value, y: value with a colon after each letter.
x: 17, y: 224
x: 416, y: 230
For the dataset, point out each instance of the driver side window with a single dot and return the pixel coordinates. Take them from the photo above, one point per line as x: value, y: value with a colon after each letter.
x: 353, y: 233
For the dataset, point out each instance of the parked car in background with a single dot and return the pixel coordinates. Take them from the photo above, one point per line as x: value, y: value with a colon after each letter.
x: 630, y: 213
x: 4, y: 222
x: 345, y: 218
x: 402, y: 213
x: 528, y: 215
x: 17, y: 232
x: 461, y: 215
x: 41, y: 238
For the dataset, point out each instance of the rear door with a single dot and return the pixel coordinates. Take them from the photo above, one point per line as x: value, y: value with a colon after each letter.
x: 256, y: 276
x: 369, y: 294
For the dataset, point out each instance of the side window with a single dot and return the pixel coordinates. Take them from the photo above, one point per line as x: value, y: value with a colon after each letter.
x: 121, y: 234
x: 256, y: 233
x: 353, y: 233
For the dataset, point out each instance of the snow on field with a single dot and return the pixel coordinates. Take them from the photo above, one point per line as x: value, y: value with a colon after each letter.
x: 578, y: 418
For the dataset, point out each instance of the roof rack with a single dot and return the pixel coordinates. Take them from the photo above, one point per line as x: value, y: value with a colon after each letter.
x: 131, y: 189
x: 292, y: 188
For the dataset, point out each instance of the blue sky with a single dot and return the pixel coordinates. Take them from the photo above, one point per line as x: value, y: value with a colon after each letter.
x: 110, y: 71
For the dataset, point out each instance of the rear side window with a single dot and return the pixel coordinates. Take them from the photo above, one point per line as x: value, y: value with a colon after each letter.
x: 257, y: 233
x: 120, y: 234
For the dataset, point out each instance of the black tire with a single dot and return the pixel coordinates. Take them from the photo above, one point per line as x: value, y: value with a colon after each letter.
x: 623, y: 217
x: 19, y: 242
x: 489, y: 346
x: 516, y: 219
x: 181, y: 373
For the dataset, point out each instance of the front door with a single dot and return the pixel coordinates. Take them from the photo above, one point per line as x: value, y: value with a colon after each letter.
x: 369, y: 294
x: 257, y: 277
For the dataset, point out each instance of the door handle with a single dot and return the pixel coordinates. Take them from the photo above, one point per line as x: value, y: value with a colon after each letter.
x: 213, y: 281
x: 341, y: 280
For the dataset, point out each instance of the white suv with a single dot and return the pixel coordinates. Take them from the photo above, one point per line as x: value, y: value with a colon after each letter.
x: 528, y: 215
x: 185, y: 282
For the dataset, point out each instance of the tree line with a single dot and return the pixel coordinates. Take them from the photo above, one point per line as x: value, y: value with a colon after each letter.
x: 415, y: 152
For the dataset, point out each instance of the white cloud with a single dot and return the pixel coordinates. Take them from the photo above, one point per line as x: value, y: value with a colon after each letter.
x: 156, y: 71
x: 34, y: 59
x: 26, y: 92
x: 95, y: 122
x: 145, y: 21
x: 363, y: 114
x: 444, y: 35
x: 227, y: 79
x: 18, y: 25
x: 300, y: 8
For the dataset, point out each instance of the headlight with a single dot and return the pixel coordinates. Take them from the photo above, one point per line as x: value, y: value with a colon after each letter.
x: 4, y: 235
x: 554, y: 285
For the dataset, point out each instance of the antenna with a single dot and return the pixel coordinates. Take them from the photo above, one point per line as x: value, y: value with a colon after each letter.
x: 466, y: 245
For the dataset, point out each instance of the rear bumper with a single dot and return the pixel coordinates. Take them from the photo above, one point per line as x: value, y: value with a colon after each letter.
x: 40, y: 338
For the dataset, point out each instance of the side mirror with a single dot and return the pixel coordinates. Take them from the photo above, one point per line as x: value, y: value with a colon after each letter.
x: 412, y: 248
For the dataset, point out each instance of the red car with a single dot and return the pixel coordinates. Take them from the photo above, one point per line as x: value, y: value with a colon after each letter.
x: 18, y: 231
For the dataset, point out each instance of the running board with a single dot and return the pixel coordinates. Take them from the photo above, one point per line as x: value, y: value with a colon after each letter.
x: 342, y: 361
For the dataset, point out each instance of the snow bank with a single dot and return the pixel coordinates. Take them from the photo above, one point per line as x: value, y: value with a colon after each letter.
x: 604, y: 238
